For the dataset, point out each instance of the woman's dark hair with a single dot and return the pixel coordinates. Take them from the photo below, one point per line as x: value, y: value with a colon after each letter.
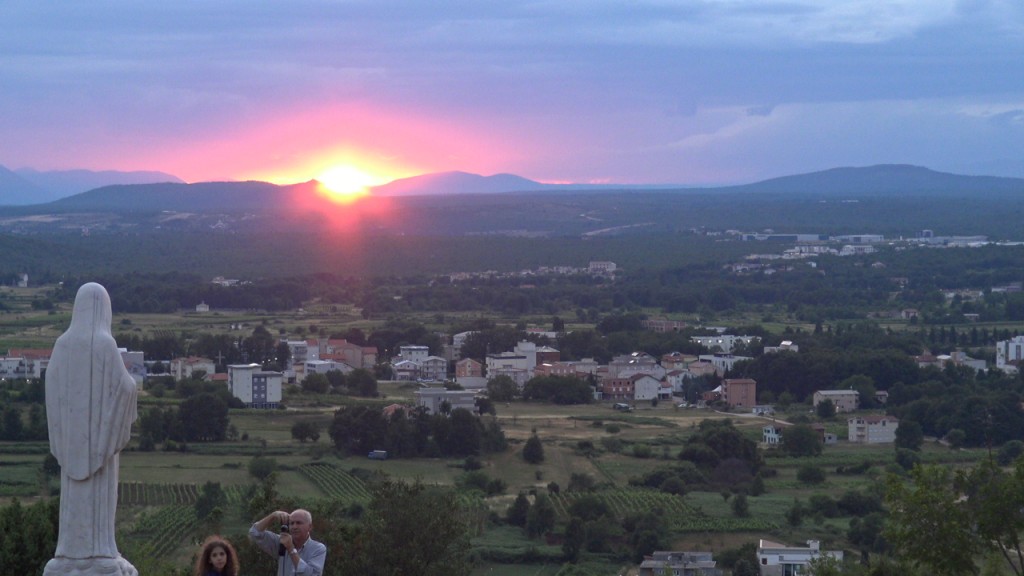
x: 203, y: 564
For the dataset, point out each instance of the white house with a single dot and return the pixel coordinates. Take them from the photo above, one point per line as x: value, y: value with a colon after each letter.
x: 602, y: 267
x: 653, y: 370
x: 771, y: 434
x: 636, y: 363
x: 459, y: 339
x: 254, y: 387
x: 325, y: 366
x: 24, y: 363
x: 433, y: 398
x: 434, y: 368
x: 518, y: 375
x: 12, y: 368
x: 302, y: 351
x: 722, y: 362
x: 1009, y: 354
x: 184, y: 367
x: 873, y: 429
x: 723, y: 343
x: 522, y: 358
x: 679, y: 564
x: 135, y: 362
x: 645, y: 387
x: 414, y: 353
x: 776, y: 559
x: 406, y: 370
x: 675, y: 379
x: 784, y: 346
x: 843, y: 400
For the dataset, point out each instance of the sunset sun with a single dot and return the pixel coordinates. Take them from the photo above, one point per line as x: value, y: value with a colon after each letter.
x: 346, y: 183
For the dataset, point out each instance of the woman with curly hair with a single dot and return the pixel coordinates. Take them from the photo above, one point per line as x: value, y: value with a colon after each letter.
x: 217, y: 557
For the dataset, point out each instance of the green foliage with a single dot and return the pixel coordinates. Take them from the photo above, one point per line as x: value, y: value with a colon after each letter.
x: 742, y: 561
x: 642, y: 450
x: 719, y: 440
x: 11, y: 425
x: 825, y: 566
x: 795, y: 513
x: 204, y: 418
x: 995, y: 501
x: 533, y: 450
x: 502, y: 388
x: 867, y: 533
x: 211, y: 497
x: 574, y: 540
x: 361, y: 382
x: 407, y: 529
x: 956, y: 438
x: 261, y: 467
x: 740, y: 506
x: 826, y: 409
x: 481, y: 482
x: 801, y: 440
x: 541, y: 517
x: 1009, y: 452
x: 909, y: 435
x: 306, y: 430
x: 810, y: 474
x: 907, y: 459
x: 358, y: 429
x: 558, y: 389
x: 927, y: 526
x: 316, y: 383
x: 581, y: 482
x: 757, y: 486
x: 29, y: 536
x: 517, y: 511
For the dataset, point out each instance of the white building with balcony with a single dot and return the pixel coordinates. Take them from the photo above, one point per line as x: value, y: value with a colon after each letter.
x: 255, y: 387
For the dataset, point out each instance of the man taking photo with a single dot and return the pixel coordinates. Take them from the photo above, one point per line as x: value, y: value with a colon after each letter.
x: 296, y: 552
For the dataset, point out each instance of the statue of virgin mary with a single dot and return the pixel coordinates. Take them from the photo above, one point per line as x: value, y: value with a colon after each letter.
x: 90, y: 407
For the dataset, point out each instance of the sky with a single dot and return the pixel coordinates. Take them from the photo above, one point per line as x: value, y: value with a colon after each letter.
x: 700, y: 92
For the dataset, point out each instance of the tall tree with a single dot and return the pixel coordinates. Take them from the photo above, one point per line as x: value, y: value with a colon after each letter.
x: 203, y: 418
x: 502, y: 388
x: 909, y: 435
x: 928, y: 524
x: 533, y: 450
x: 541, y: 517
x: 409, y: 529
x: 995, y: 500
x: 517, y: 511
x: 801, y: 440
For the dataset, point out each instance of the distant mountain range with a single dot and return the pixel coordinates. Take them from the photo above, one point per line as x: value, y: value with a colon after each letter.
x: 262, y: 197
x: 457, y: 183
x: 882, y: 179
x: 466, y: 183
x: 26, y: 186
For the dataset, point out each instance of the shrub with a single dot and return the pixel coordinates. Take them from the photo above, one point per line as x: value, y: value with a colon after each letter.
x: 809, y: 474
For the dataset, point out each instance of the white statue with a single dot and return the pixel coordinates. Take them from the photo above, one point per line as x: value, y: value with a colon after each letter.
x: 90, y: 407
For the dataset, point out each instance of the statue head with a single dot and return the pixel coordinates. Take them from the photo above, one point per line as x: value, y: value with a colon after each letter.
x: 92, y: 309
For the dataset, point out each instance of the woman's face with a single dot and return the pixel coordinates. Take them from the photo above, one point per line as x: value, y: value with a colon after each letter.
x: 218, y: 558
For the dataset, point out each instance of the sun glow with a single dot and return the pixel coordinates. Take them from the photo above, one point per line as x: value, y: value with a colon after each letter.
x: 346, y: 183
